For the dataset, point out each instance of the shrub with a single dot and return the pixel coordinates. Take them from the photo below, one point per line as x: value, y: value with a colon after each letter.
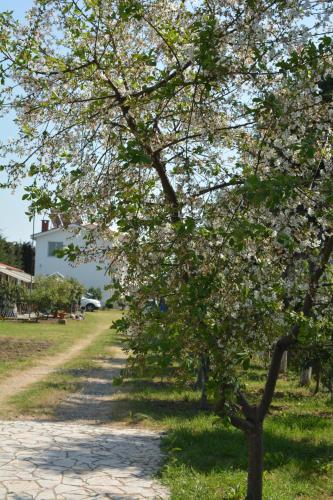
x: 51, y: 293
x: 109, y: 304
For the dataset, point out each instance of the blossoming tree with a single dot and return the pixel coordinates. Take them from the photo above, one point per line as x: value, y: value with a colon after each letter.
x: 203, y: 131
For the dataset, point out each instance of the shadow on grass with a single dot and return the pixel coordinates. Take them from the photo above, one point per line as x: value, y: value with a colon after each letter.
x: 196, y: 443
x: 256, y: 376
x: 192, y: 440
x: 225, y: 449
x: 161, y: 409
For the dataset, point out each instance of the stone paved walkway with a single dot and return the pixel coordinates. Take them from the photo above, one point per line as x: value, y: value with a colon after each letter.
x: 68, y: 461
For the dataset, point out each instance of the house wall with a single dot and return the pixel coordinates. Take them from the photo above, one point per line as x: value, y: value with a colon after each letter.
x: 86, y: 273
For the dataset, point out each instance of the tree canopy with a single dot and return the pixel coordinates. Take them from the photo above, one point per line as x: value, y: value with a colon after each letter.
x: 21, y: 255
x: 202, y: 131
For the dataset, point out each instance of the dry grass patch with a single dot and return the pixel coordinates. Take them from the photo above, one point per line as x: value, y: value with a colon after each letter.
x: 41, y: 399
x: 12, y: 349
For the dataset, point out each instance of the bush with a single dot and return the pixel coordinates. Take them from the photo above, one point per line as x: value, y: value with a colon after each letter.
x: 11, y: 293
x: 109, y: 304
x: 52, y: 293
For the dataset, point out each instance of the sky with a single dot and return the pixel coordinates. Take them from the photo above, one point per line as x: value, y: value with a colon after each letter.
x: 14, y: 224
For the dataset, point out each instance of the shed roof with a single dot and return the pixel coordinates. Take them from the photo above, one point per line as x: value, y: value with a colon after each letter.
x: 16, y: 273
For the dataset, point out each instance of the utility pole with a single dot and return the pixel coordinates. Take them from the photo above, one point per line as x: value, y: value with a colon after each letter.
x: 31, y: 277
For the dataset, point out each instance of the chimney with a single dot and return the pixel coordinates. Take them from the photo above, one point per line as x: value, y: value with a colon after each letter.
x: 45, y: 225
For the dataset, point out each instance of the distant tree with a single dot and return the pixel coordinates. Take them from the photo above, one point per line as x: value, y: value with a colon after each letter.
x: 138, y: 114
x: 109, y: 303
x: 21, y: 255
x: 10, y: 253
x: 15, y: 249
x: 28, y: 257
x: 95, y: 293
x: 11, y: 293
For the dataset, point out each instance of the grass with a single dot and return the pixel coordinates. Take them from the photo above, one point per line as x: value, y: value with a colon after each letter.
x: 206, y: 459
x: 22, y: 345
x: 41, y: 399
x: 203, y: 457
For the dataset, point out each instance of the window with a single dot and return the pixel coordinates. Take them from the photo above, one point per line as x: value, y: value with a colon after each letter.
x: 53, y: 246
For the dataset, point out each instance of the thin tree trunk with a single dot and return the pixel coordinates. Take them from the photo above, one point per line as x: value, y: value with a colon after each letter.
x: 253, y: 415
x: 284, y: 362
x: 204, y: 380
x: 198, y: 382
x: 330, y: 386
x: 255, y: 465
x: 305, y: 379
x: 318, y: 373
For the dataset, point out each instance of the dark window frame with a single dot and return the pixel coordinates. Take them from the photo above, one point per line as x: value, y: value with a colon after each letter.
x: 53, y: 246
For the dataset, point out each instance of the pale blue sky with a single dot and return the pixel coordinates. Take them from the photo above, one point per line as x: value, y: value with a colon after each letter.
x: 14, y: 224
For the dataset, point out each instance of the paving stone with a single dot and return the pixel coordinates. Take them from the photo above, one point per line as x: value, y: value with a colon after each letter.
x: 48, y: 483
x: 46, y: 495
x: 54, y: 461
x: 22, y: 487
x: 73, y: 481
x: 75, y: 496
x: 3, y: 492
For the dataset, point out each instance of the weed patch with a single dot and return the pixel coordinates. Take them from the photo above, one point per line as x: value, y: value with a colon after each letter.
x: 12, y: 349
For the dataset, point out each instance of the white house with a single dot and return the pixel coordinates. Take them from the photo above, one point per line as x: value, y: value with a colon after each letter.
x: 57, y: 237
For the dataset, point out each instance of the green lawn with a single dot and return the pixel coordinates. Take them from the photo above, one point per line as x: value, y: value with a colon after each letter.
x: 23, y: 344
x: 206, y: 459
x: 41, y: 399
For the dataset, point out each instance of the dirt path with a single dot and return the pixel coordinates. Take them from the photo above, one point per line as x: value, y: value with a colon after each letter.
x: 95, y: 403
x: 20, y: 380
x: 73, y: 458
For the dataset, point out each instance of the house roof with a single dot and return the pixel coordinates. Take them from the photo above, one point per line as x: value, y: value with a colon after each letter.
x: 57, y: 275
x: 15, y: 272
x: 50, y: 231
x: 2, y: 264
x: 67, y: 228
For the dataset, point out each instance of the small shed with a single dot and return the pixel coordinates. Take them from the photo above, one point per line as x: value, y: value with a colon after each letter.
x: 15, y: 275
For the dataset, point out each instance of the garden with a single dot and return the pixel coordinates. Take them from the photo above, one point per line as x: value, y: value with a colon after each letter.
x: 47, y: 296
x: 194, y: 139
x: 25, y: 344
x: 204, y: 456
x: 207, y: 458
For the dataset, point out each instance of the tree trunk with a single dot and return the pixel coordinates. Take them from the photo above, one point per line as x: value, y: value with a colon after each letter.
x: 255, y: 466
x: 284, y: 362
x: 253, y: 415
x: 305, y: 379
x: 198, y: 382
x: 317, y: 375
x: 204, y: 380
x: 330, y: 386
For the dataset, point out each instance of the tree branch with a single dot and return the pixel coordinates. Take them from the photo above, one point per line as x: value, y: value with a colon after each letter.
x: 160, y: 84
x: 286, y: 342
x: 216, y: 187
x: 239, y: 423
x: 248, y: 410
x: 157, y: 163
